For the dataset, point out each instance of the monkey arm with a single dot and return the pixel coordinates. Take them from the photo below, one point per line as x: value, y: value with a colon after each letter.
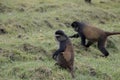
x: 74, y: 36
x: 83, y: 40
x: 61, y: 49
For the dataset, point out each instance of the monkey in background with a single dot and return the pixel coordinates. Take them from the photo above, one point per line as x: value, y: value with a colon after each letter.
x: 88, y: 1
x: 65, y: 54
x: 92, y: 34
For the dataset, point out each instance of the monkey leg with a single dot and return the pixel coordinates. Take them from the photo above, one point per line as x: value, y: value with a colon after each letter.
x: 101, y: 46
x: 89, y: 44
x: 83, y: 41
x: 71, y: 71
x: 89, y: 1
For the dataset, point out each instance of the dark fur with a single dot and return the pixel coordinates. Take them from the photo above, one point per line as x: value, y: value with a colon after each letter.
x: 65, y: 54
x: 88, y: 1
x: 92, y: 34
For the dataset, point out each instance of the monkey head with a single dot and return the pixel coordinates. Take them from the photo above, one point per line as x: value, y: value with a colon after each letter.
x: 60, y: 36
x: 77, y: 25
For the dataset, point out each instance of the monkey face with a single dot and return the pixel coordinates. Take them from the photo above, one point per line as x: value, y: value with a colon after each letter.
x: 60, y: 35
x: 57, y: 37
x: 75, y: 25
x: 76, y: 29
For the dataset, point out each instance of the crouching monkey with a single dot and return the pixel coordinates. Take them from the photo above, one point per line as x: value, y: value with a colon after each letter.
x: 65, y: 54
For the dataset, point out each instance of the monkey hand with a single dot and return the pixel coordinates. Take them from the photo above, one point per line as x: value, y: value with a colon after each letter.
x: 74, y: 36
x: 54, y: 56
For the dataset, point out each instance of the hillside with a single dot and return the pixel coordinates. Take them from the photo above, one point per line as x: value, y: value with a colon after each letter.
x: 27, y: 39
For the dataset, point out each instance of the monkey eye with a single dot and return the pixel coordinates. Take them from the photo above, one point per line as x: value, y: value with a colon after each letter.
x: 57, y: 36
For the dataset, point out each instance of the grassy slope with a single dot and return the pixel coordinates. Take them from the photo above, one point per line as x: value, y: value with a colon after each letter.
x: 26, y: 49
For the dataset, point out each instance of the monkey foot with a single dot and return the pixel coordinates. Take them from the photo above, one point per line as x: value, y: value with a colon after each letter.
x: 103, y: 56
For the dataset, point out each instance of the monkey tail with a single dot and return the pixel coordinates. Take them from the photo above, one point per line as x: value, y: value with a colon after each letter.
x: 112, y: 33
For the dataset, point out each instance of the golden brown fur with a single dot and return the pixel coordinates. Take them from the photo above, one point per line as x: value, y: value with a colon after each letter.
x: 64, y: 55
x: 66, y: 59
x: 92, y: 34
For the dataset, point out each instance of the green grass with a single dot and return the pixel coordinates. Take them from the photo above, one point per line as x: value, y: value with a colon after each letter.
x: 27, y: 47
